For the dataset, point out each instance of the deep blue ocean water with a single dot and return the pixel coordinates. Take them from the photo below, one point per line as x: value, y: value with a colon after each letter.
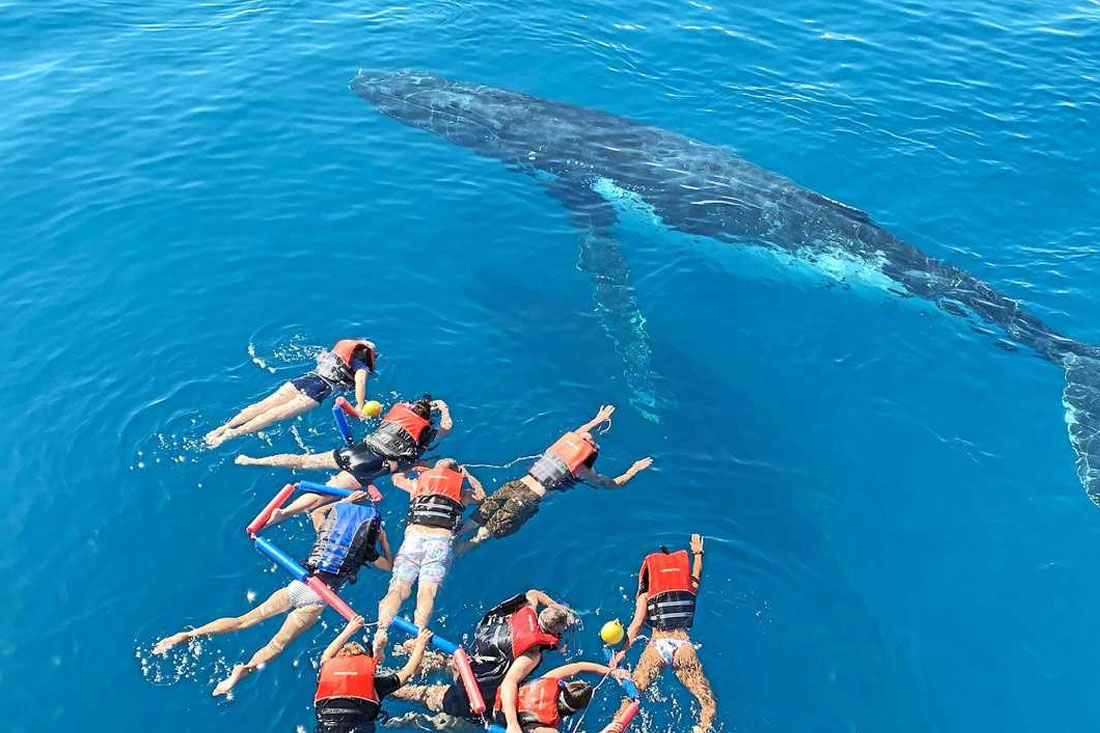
x: 191, y: 202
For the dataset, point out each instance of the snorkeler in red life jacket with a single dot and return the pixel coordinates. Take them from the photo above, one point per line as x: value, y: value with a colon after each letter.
x: 405, y: 432
x: 508, y: 643
x: 568, y: 461
x: 668, y: 586
x: 438, y: 496
x: 344, y: 367
x: 350, y: 687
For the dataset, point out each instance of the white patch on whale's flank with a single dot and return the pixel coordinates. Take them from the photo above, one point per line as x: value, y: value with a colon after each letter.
x: 832, y: 262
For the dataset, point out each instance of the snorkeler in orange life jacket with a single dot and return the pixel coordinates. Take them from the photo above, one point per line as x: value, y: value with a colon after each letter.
x: 568, y: 461
x: 346, y: 366
x: 668, y: 584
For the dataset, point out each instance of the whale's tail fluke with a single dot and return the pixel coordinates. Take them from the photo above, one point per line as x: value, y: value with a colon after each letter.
x: 1082, y: 401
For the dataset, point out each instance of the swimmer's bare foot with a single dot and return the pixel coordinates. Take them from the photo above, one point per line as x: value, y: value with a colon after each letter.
x: 168, y: 642
x: 381, y: 638
x: 246, y: 461
x: 277, y: 515
x: 224, y: 687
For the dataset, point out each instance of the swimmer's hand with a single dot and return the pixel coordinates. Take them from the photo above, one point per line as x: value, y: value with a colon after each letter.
x: 355, y: 624
x: 605, y: 412
x: 697, y: 544
x: 621, y: 674
x: 617, y: 659
x: 641, y: 464
x: 423, y: 638
x: 357, y: 496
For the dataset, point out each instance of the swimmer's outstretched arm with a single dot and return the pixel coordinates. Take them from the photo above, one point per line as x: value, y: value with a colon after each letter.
x: 697, y: 565
x: 385, y: 562
x: 476, y: 494
x: 413, y: 665
x: 342, y: 638
x: 572, y: 670
x: 509, y: 688
x: 446, y: 424
x: 635, y: 627
x: 361, y: 387
x: 537, y: 598
x: 403, y: 482
x: 602, y: 415
x: 606, y: 482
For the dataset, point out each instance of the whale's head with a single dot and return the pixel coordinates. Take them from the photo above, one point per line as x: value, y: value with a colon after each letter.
x: 492, y: 121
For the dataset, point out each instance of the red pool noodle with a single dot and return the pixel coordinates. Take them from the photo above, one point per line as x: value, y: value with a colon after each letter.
x: 262, y: 518
x: 629, y: 713
x: 331, y: 598
x: 350, y: 411
x: 473, y: 692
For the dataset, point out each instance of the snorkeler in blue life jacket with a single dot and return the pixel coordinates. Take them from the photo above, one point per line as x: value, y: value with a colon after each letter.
x: 346, y: 366
x: 348, y: 536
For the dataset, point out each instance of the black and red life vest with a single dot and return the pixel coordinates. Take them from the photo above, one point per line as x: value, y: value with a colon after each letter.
x: 557, y: 468
x: 536, y: 703
x: 671, y: 590
x: 346, y: 698
x: 437, y: 499
x: 402, y: 435
x: 506, y: 633
x: 336, y: 365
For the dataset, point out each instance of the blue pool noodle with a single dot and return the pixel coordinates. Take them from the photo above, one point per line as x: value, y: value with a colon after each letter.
x: 281, y: 559
x: 412, y: 629
x: 316, y: 488
x: 342, y: 424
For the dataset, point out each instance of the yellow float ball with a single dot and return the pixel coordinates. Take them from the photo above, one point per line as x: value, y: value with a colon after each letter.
x: 371, y: 408
x: 612, y: 633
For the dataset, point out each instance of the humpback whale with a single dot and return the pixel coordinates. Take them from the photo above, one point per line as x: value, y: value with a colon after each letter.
x: 591, y: 160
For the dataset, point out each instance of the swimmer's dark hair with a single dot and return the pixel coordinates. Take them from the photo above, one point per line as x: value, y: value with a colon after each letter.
x: 423, y: 406
x: 574, y: 697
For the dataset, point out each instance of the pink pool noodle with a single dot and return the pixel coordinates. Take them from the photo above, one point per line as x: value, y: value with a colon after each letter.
x: 331, y: 598
x: 473, y: 692
x: 262, y: 518
x: 629, y: 713
x: 350, y: 411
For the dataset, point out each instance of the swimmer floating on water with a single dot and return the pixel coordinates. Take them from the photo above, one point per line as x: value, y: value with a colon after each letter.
x: 667, y: 589
x: 437, y: 499
x: 346, y: 366
x: 539, y: 706
x: 350, y: 687
x: 508, y: 642
x: 334, y: 559
x: 566, y: 462
x: 405, y: 433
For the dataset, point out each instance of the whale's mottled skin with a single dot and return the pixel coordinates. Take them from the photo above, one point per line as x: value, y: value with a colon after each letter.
x: 708, y: 191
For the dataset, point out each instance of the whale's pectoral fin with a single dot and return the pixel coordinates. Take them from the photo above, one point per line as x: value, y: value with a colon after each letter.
x: 602, y: 258
x: 1082, y: 402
